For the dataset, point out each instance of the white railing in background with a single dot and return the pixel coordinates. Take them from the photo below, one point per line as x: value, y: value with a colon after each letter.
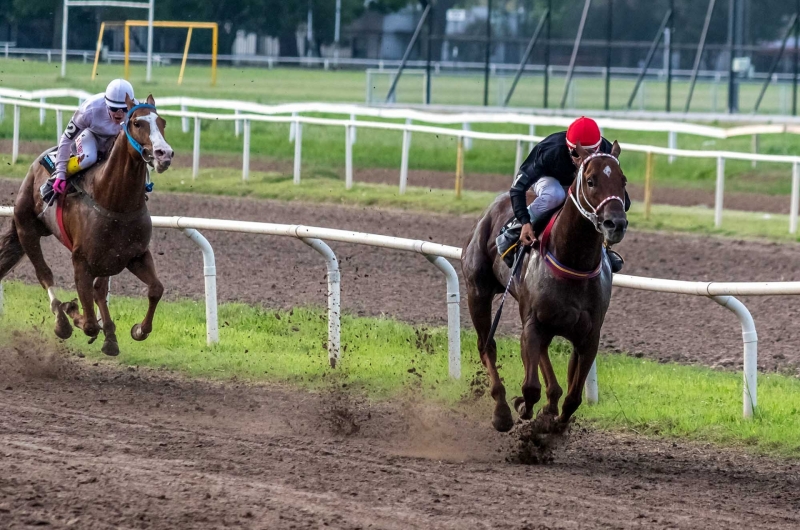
x: 721, y: 292
x: 296, y: 122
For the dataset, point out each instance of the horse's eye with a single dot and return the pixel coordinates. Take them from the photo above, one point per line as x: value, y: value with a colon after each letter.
x: 590, y: 182
x: 136, y: 124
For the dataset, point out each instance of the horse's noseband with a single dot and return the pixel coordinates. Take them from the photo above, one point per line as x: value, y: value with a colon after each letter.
x: 136, y: 145
x: 591, y: 216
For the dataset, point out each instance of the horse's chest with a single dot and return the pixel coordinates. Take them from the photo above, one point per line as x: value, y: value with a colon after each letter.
x: 570, y: 308
x: 111, y: 245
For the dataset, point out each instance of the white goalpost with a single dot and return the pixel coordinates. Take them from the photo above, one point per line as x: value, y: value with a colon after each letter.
x: 149, y: 5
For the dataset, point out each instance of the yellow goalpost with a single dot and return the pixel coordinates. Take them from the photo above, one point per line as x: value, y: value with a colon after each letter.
x: 162, y: 24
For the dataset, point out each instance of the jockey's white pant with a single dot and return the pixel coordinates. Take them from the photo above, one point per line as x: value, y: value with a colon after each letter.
x: 86, y: 149
x: 550, y: 194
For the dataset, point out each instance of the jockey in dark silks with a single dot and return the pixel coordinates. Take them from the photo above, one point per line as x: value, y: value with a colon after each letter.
x: 550, y: 167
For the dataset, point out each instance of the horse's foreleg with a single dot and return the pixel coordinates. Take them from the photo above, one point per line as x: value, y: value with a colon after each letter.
x: 583, y: 356
x: 144, y: 269
x: 533, y: 345
x: 480, y: 309
x: 554, y: 390
x: 110, y: 345
x: 31, y: 244
x: 84, y: 284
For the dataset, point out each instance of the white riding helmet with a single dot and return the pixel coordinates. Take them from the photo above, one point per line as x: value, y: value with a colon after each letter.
x: 116, y: 92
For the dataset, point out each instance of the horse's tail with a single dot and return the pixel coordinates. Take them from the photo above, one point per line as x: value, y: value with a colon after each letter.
x: 11, y: 251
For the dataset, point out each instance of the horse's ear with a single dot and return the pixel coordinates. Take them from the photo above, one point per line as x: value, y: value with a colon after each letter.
x: 128, y: 101
x: 150, y: 100
x: 582, y: 153
x: 615, y: 149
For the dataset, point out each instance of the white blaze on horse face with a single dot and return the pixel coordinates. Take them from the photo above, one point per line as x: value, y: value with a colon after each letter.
x: 607, y: 171
x: 156, y: 138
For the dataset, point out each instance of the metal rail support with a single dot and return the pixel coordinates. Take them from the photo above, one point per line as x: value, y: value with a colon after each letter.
x: 59, y: 125
x: 650, y: 54
x: 453, y: 315
x: 575, y: 49
x: 334, y: 298
x: 526, y: 56
x: 210, y: 274
x: 404, y: 161
x: 795, y: 206
x: 720, y: 192
x: 590, y: 388
x: 750, y: 340
x: 246, y: 152
x: 15, y: 138
x: 701, y: 46
x: 410, y: 46
x: 348, y: 157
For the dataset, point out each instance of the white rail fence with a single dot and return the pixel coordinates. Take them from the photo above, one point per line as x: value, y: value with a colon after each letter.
x: 721, y: 292
x: 296, y: 126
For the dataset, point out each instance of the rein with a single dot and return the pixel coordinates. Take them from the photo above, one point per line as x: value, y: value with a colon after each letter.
x: 591, y: 216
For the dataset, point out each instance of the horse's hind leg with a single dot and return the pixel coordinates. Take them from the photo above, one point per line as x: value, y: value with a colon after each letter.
x: 144, y: 269
x: 31, y: 244
x: 110, y: 345
x: 533, y: 346
x: 480, y: 309
x: 583, y: 356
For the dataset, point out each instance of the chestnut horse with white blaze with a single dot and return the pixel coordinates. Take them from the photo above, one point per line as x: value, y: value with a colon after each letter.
x: 564, y: 288
x: 106, y: 225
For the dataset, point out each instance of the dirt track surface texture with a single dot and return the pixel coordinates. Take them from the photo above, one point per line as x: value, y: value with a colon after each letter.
x: 88, y: 446
x: 283, y: 272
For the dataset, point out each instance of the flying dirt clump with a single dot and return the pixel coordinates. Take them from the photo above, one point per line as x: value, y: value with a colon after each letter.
x: 26, y: 357
x: 537, y: 441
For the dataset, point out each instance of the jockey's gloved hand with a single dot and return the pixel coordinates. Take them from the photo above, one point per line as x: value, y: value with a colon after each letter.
x: 60, y: 186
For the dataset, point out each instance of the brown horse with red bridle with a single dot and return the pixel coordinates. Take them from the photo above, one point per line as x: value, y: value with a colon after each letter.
x: 106, y: 225
x: 564, y: 288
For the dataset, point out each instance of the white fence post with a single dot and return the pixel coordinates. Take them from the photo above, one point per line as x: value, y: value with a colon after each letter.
x: 750, y: 340
x: 453, y: 315
x: 404, y: 161
x: 246, y: 152
x: 15, y: 140
x: 531, y: 132
x: 591, y: 387
x: 2, y: 112
x: 298, y: 150
x: 237, y: 124
x: 353, y: 128
x: 59, y: 125
x: 184, y: 120
x: 517, y: 159
x: 672, y: 143
x: 196, y: 149
x: 795, y: 206
x: 41, y: 111
x: 292, y: 128
x: 210, y: 275
x: 334, y: 298
x: 467, y: 139
x: 348, y: 158
x: 718, y: 196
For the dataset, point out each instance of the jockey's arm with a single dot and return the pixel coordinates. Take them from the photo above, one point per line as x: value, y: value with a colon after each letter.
x: 78, y: 123
x: 528, y: 173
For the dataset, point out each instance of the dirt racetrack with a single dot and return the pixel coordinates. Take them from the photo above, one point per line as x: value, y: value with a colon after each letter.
x: 88, y: 446
x: 282, y: 272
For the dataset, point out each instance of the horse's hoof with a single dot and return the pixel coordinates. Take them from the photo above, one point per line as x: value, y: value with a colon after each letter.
x: 63, y: 328
x: 502, y: 420
x: 92, y: 339
x: 71, y: 308
x: 137, y: 333
x: 110, y: 347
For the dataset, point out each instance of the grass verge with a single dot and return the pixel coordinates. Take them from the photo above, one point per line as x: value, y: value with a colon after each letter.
x: 383, y: 358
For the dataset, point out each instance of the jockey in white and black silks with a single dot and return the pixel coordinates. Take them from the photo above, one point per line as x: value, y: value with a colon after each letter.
x: 91, y: 130
x: 550, y: 167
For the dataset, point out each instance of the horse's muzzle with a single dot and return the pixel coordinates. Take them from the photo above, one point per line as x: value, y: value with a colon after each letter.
x: 614, y: 229
x: 163, y: 159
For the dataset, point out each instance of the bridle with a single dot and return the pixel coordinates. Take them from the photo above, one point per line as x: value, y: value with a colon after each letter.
x: 591, y: 216
x: 136, y: 145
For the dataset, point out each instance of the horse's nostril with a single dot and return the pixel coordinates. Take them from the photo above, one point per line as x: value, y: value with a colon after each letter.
x: 609, y: 224
x: 160, y: 153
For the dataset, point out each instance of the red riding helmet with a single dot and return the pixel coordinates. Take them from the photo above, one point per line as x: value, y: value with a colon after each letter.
x: 585, y: 131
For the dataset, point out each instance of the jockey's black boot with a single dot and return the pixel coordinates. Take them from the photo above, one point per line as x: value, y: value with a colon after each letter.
x: 615, y: 259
